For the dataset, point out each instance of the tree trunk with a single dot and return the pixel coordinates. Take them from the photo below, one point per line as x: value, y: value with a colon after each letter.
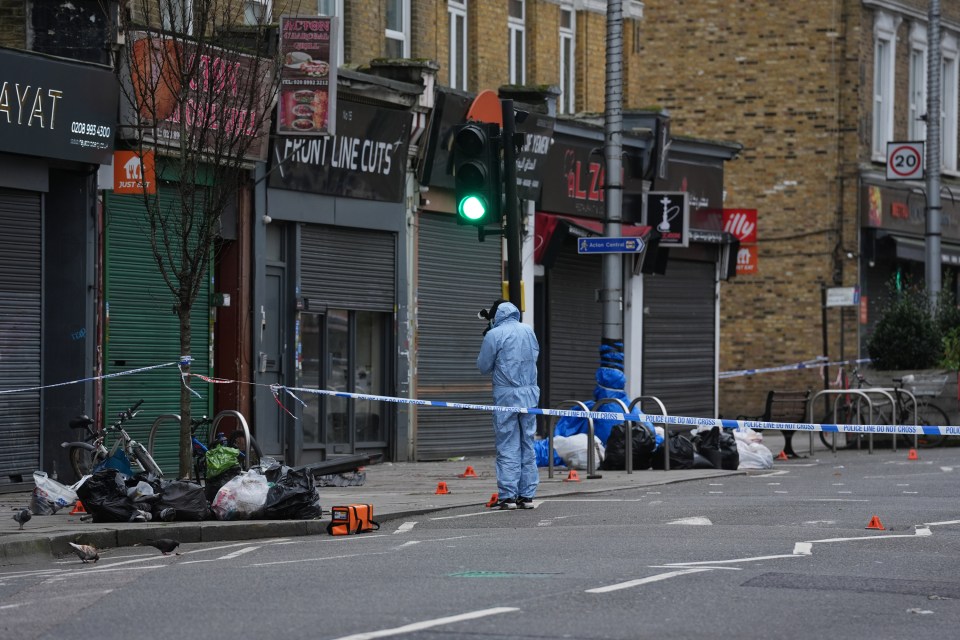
x: 186, y: 444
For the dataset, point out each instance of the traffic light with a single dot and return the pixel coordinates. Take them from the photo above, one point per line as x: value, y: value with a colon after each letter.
x: 476, y: 173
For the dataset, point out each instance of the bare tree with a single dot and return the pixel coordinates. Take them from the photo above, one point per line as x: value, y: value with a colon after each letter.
x: 198, y: 82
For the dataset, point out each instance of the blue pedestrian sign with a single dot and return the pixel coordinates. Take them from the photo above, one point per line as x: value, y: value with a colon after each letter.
x: 610, y: 245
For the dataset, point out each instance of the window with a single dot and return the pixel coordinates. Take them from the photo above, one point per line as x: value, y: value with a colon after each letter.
x: 457, y: 9
x: 948, y: 102
x: 568, y: 26
x: 398, y: 29
x: 177, y: 15
x: 334, y: 8
x: 516, y: 22
x: 256, y: 12
x: 917, y: 126
x: 344, y: 350
x: 883, y: 75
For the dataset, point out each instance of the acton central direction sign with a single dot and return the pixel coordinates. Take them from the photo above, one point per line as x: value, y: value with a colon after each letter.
x: 610, y: 245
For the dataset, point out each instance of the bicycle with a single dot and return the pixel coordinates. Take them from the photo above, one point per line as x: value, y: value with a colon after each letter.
x: 850, y: 410
x: 201, y: 444
x: 92, y: 454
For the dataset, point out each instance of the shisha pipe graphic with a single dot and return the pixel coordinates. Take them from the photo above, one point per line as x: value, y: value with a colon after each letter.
x: 669, y: 213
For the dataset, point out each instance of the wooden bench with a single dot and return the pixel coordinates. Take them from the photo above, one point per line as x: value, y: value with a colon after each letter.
x: 785, y: 406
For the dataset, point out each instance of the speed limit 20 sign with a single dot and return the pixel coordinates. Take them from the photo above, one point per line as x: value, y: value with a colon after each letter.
x: 904, y: 161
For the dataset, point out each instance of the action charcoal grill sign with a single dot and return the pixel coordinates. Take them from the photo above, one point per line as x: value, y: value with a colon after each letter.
x: 56, y: 109
x: 366, y: 159
x: 308, y: 77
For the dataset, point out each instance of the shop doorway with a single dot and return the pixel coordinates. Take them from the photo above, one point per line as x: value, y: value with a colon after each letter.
x: 344, y: 350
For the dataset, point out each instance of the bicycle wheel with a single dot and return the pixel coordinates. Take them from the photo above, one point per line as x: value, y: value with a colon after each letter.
x: 931, y: 415
x: 83, y: 461
x: 845, y: 415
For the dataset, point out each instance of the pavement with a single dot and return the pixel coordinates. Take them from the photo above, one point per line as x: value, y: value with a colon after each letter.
x: 396, y: 490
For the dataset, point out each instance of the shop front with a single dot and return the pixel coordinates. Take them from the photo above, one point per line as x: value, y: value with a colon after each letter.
x: 331, y: 271
x: 57, y: 122
x: 893, y: 246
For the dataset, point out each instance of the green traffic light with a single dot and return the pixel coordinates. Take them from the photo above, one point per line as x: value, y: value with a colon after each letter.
x: 472, y: 208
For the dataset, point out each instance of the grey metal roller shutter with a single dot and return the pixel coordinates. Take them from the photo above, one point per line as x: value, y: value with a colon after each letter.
x: 458, y: 276
x: 574, y: 329
x: 349, y: 268
x: 143, y: 330
x: 679, y: 325
x: 20, y: 305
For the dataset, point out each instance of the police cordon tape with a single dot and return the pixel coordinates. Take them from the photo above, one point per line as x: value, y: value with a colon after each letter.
x: 946, y: 430
x: 816, y: 363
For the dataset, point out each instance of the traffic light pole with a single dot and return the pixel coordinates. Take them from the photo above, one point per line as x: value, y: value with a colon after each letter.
x: 511, y: 205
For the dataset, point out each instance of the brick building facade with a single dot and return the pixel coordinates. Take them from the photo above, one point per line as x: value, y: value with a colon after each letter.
x: 796, y: 91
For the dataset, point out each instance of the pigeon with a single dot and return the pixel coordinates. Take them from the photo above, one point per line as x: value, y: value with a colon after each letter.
x: 22, y: 517
x: 166, y: 545
x: 85, y: 552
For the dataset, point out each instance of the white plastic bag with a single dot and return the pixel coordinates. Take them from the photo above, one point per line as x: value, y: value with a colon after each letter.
x: 748, y: 435
x: 573, y: 450
x: 53, y: 492
x: 242, y: 498
x: 754, y: 455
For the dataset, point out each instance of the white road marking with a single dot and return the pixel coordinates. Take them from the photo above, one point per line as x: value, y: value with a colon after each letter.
x: 46, y: 599
x: 340, y: 557
x: 734, y: 561
x: 911, y: 492
x: 716, y: 484
x: 781, y: 492
x: 406, y: 526
x: 820, y: 522
x: 946, y: 468
x: 903, y: 485
x: 598, y: 499
x: 715, y: 492
x: 844, y: 492
x: 838, y: 484
x: 938, y: 524
x: 697, y: 521
x: 238, y: 552
x: 408, y: 543
x: 427, y: 624
x: 647, y: 580
x: 834, y: 500
x: 774, y: 484
x: 655, y: 502
x: 663, y: 566
x: 923, y: 531
x: 803, y: 549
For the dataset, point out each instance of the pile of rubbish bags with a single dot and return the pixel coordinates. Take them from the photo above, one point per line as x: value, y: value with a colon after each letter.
x: 269, y: 491
x: 703, y: 448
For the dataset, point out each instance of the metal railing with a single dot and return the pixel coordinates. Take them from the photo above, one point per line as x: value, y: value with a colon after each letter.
x: 666, y: 427
x: 551, y: 424
x: 860, y: 393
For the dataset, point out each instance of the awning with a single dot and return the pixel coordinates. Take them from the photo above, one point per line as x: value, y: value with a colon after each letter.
x: 915, y: 249
x: 552, y: 229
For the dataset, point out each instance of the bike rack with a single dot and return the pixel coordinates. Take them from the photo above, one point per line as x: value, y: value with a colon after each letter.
x: 230, y: 413
x: 591, y: 462
x: 666, y: 427
x: 627, y: 432
x: 838, y: 392
x: 156, y: 424
x: 893, y: 409
x: 170, y: 417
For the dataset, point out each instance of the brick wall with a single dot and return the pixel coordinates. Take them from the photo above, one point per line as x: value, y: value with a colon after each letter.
x: 13, y: 24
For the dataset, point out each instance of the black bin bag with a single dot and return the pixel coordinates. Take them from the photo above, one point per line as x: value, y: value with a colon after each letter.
x: 681, y: 453
x: 104, y: 496
x: 642, y: 447
x: 187, y: 499
x: 292, y: 495
x: 719, y: 447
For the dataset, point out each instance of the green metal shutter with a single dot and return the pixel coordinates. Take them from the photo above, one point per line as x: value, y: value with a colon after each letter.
x: 458, y: 276
x: 20, y: 286
x: 142, y: 330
